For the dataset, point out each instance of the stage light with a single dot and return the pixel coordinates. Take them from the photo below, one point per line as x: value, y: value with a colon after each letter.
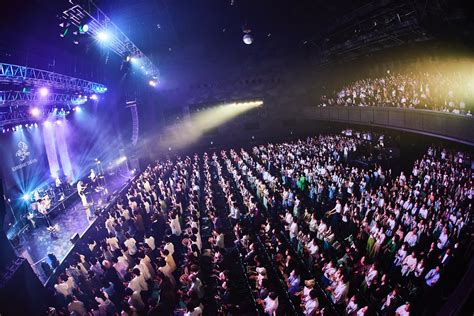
x: 26, y: 197
x: 103, y: 36
x: 78, y: 109
x: 152, y: 83
x: 36, y: 124
x: 3, y: 130
x: 248, y: 39
x: 58, y: 122
x: 84, y: 28
x: 94, y: 97
x: 35, y: 112
x: 43, y: 91
x: 47, y: 124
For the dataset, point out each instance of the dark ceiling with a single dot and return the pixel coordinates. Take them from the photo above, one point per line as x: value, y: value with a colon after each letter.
x: 191, y: 33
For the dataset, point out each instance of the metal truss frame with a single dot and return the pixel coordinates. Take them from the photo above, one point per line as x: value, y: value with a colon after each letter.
x: 15, y: 74
x: 19, y: 98
x: 99, y: 22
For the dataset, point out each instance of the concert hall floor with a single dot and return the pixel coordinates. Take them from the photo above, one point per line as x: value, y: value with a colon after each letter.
x: 37, y: 243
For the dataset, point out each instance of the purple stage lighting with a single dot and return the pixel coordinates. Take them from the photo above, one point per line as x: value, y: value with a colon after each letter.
x: 44, y: 91
x: 152, y: 83
x: 35, y: 112
x: 58, y: 122
x: 78, y: 109
x: 94, y: 97
x: 47, y: 123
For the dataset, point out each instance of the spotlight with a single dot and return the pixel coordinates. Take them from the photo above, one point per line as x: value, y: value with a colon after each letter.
x: 26, y: 197
x: 36, y: 124
x: 248, y: 39
x: 3, y: 130
x: 103, y: 36
x: 35, y: 112
x: 152, y: 83
x: 94, y: 97
x: 133, y: 59
x: 43, y: 91
x: 78, y: 109
x: 47, y: 123
x: 84, y: 28
x: 58, y: 122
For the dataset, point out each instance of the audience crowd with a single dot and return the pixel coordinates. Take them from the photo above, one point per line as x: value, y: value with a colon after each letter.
x: 415, y: 90
x: 295, y: 228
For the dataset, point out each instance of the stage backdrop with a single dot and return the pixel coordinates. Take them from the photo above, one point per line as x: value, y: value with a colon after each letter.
x: 24, y: 166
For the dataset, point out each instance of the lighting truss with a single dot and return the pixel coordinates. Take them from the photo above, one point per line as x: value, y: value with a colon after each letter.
x: 15, y: 74
x: 11, y: 116
x: 99, y: 22
x: 19, y: 98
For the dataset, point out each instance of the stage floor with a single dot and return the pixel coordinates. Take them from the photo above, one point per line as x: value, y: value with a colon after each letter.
x: 37, y: 243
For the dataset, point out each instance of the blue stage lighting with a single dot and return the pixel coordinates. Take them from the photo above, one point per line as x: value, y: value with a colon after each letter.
x: 26, y: 196
x: 103, y: 36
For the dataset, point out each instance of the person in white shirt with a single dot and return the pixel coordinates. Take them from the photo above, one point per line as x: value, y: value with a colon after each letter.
x: 138, y: 282
x: 313, y: 223
x: 219, y: 241
x: 409, y: 264
x: 270, y: 304
x: 313, y: 248
x: 311, y: 304
x: 442, y: 239
x: 192, y: 310
x: 131, y: 245
x: 411, y: 238
x: 175, y: 225
x: 339, y: 293
x: 293, y: 230
x: 322, y: 230
x: 64, y: 285
x: 352, y: 306
x: 77, y: 307
x: 370, y: 276
x: 113, y: 243
x: 150, y: 241
x: 403, y: 310
x: 400, y: 256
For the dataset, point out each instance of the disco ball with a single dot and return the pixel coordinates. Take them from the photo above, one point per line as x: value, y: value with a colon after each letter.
x: 248, y: 39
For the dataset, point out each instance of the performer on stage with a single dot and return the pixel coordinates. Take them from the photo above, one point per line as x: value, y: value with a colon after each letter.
x: 81, y: 188
x: 58, y: 182
x: 93, y: 176
x: 44, y: 207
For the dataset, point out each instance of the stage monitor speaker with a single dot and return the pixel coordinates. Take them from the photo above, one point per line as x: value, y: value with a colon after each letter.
x: 75, y: 238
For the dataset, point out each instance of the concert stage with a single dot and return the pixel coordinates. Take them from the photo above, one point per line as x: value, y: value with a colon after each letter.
x: 36, y: 244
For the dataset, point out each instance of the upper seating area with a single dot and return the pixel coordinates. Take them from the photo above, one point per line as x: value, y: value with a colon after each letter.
x: 440, y: 90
